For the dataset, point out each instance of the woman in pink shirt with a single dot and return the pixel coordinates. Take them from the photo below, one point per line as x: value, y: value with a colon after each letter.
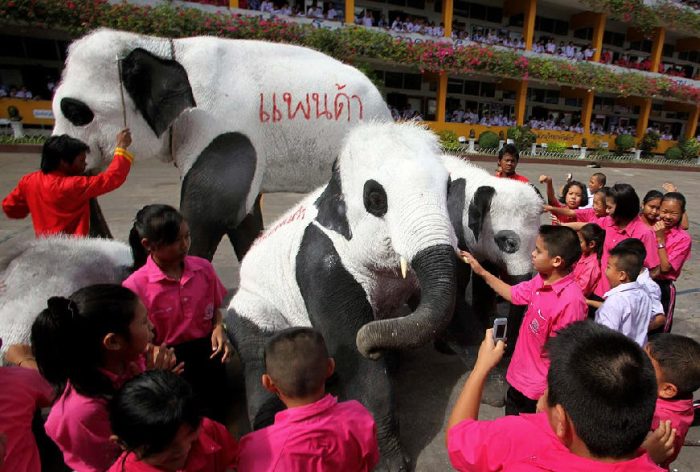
x: 183, y: 298
x: 86, y: 346
x: 673, y: 244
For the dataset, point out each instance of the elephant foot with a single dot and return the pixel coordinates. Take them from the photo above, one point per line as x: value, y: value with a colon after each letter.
x: 495, y: 388
x: 395, y: 462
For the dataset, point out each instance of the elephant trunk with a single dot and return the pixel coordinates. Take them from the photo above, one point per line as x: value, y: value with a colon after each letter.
x: 435, y: 268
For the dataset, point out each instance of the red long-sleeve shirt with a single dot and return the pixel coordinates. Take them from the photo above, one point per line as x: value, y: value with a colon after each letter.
x: 59, y: 203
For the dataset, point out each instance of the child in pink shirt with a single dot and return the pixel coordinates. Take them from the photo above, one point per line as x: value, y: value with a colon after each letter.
x: 676, y: 361
x: 584, y: 215
x: 23, y: 392
x: 587, y: 270
x: 166, y: 439
x: 315, y: 433
x: 553, y: 300
x: 592, y: 391
x: 86, y: 346
x: 574, y: 196
x: 183, y: 297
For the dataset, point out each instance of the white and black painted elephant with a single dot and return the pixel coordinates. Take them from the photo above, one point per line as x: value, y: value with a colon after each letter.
x: 335, y: 262
x: 42, y: 268
x: 236, y: 117
x: 497, y: 220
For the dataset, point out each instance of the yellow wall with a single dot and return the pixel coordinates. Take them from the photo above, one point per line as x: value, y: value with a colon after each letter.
x: 27, y: 110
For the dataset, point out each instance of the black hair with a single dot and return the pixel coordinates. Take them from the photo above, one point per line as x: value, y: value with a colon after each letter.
x: 561, y: 241
x: 67, y: 336
x: 574, y: 183
x: 600, y: 177
x: 635, y: 245
x: 677, y: 196
x: 593, y: 232
x: 148, y: 411
x: 606, y: 384
x: 626, y: 202
x: 297, y: 359
x: 60, y: 148
x: 679, y: 359
x: 509, y: 149
x: 158, y: 223
x: 629, y: 258
x: 652, y: 195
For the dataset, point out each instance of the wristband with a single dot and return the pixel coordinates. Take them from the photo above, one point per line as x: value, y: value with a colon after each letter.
x: 660, y: 245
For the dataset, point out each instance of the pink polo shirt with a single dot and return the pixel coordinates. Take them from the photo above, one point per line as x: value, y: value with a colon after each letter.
x: 587, y: 273
x: 549, y: 308
x: 586, y: 215
x: 681, y: 414
x: 319, y: 437
x: 562, y: 218
x: 214, y: 450
x: 22, y: 393
x: 678, y: 243
x: 613, y: 235
x: 180, y: 310
x: 524, y: 442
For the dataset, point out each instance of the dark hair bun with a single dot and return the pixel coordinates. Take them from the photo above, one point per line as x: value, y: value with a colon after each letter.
x: 62, y: 308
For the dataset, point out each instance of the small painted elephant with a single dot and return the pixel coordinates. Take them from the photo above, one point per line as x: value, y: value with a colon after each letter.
x: 236, y: 117
x: 335, y: 262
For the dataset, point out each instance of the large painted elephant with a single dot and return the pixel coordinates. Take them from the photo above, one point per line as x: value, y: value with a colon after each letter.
x: 335, y: 262
x: 497, y: 220
x: 236, y: 117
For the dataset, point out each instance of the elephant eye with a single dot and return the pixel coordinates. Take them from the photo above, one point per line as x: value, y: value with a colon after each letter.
x: 76, y: 111
x: 375, y: 198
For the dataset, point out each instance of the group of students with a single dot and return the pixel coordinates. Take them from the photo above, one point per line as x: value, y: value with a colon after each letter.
x: 134, y: 372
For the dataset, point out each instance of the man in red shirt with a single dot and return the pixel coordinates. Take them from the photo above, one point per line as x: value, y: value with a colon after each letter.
x: 507, y: 162
x: 58, y: 196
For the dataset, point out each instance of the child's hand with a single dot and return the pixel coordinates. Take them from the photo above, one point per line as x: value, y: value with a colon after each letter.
x: 469, y: 259
x: 660, y: 230
x: 163, y: 358
x: 219, y: 343
x: 669, y: 187
x: 490, y: 354
x: 545, y: 179
x: 21, y: 355
x: 547, y: 208
x: 659, y: 443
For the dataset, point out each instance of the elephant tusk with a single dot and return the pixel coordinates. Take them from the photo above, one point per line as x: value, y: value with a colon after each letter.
x: 404, y: 267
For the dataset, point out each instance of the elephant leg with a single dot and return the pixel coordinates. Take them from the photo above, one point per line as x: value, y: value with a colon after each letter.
x: 484, y: 298
x: 249, y: 341
x: 244, y: 234
x: 215, y: 190
x: 98, y: 224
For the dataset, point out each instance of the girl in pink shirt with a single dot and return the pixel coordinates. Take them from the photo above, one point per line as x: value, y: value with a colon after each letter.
x: 183, y: 297
x: 582, y: 214
x: 573, y: 192
x: 86, y: 346
x: 651, y: 205
x: 587, y: 270
x: 167, y: 439
x: 673, y: 245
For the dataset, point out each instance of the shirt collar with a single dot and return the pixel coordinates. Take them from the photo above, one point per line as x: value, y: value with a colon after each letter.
x: 301, y: 413
x: 201, y: 449
x: 623, y: 288
x: 155, y: 274
x: 677, y: 406
x: 557, y: 286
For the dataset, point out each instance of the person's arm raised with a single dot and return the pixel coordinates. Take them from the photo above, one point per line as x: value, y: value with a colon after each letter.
x: 499, y: 286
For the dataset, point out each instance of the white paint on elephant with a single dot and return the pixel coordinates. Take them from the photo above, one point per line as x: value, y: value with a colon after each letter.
x: 55, y: 266
x: 515, y: 206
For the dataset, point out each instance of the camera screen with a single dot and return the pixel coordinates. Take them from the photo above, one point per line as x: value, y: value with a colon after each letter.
x: 500, y: 331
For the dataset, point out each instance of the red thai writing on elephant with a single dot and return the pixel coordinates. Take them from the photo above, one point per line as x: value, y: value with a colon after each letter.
x: 299, y: 214
x: 337, y: 106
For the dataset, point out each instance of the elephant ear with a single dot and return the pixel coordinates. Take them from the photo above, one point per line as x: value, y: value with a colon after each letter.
x: 479, y: 207
x: 332, y: 211
x: 159, y: 87
x: 455, y: 208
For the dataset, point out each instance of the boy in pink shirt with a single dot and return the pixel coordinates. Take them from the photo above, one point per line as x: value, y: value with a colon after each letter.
x: 592, y: 390
x: 676, y: 361
x: 554, y: 300
x: 315, y: 433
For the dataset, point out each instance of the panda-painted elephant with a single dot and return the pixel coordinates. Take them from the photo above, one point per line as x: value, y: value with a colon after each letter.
x: 497, y: 220
x: 236, y: 117
x: 335, y: 262
x: 47, y: 267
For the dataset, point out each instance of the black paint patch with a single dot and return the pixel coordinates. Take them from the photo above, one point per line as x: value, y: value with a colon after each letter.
x: 455, y: 208
x: 76, y: 111
x: 159, y: 87
x: 215, y: 189
x: 479, y: 207
x: 374, y: 197
x: 332, y: 211
x: 507, y: 241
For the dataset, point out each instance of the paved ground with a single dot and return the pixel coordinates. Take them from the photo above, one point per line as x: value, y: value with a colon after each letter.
x: 428, y: 382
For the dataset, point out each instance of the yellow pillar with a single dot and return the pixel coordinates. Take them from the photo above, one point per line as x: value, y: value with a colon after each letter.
x: 447, y: 15
x: 233, y: 3
x: 441, y: 98
x: 657, y: 49
x: 529, y: 23
x: 350, y: 12
x: 692, y: 126
x: 520, y: 102
x: 643, y: 122
x: 586, y: 114
x: 598, y: 31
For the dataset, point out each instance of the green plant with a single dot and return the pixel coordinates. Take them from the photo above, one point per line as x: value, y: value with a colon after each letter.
x: 648, y: 143
x: 488, y: 140
x: 8, y: 139
x: 624, y: 142
x: 674, y: 153
x: 690, y: 148
x: 449, y: 140
x: 557, y: 146
x: 522, y: 137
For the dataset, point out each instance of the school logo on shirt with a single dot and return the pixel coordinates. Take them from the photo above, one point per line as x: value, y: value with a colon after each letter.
x: 534, y: 326
x: 209, y: 312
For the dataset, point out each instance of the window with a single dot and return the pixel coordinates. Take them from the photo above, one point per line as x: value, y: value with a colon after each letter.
x: 418, y: 4
x: 488, y: 89
x: 412, y: 81
x: 11, y: 46
x: 584, y: 33
x: 393, y: 79
x: 552, y: 97
x: 668, y: 50
x: 471, y: 87
x: 455, y: 86
x: 614, y: 39
x: 477, y: 12
x: 494, y: 15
